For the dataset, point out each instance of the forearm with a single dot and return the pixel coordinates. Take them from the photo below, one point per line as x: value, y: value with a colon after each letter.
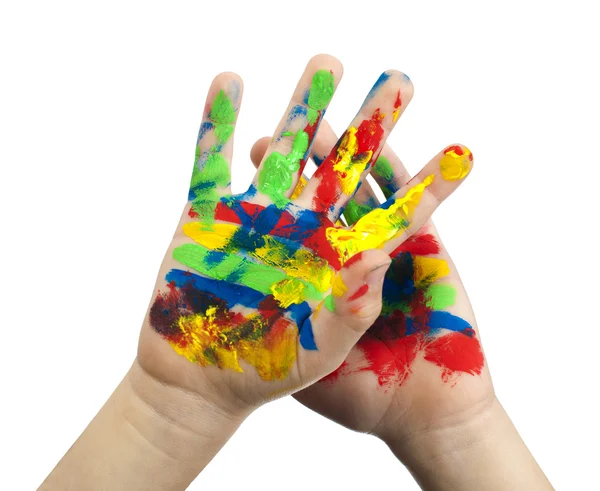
x: 486, y: 453
x: 147, y: 436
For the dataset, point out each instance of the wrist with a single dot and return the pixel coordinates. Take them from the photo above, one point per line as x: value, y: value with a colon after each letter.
x: 148, y: 436
x: 483, y: 451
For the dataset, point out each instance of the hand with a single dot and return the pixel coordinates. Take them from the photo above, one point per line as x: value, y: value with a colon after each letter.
x: 420, y: 366
x: 263, y: 293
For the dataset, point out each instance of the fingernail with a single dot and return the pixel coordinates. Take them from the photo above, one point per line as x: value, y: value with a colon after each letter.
x: 374, y: 278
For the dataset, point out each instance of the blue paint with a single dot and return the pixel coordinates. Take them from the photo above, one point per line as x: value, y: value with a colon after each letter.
x: 440, y: 319
x: 307, y: 337
x: 204, y: 127
x: 306, y: 96
x: 383, y: 78
x: 318, y: 160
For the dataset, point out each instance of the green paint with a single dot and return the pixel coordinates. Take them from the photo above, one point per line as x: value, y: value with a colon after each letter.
x: 277, y: 173
x: 355, y: 211
x: 236, y: 269
x: 383, y: 169
x: 321, y: 92
x: 215, y: 171
x: 440, y: 297
x: 329, y: 303
x: 222, y: 115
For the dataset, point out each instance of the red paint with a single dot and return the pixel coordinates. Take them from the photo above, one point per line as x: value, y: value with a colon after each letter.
x: 354, y: 259
x: 369, y: 135
x: 392, y: 360
x: 458, y: 150
x: 420, y: 244
x: 455, y: 352
x: 360, y: 292
x: 398, y: 102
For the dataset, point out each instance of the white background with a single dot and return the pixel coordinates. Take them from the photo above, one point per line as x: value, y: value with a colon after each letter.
x: 99, y: 109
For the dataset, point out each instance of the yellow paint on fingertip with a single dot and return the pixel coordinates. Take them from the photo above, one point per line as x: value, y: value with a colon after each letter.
x: 456, y: 163
x: 378, y: 226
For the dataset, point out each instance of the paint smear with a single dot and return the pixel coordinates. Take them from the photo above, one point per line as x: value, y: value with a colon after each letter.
x: 413, y: 322
x: 380, y: 225
x: 341, y: 171
x: 456, y: 163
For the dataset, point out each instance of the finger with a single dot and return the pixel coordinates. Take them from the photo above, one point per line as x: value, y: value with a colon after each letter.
x: 258, y: 150
x: 286, y: 156
x: 407, y: 210
x: 365, y: 198
x: 211, y: 176
x: 339, y: 322
x: 346, y: 165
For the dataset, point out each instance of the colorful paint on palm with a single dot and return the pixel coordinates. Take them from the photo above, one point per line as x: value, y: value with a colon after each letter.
x: 256, y: 273
x: 414, y: 319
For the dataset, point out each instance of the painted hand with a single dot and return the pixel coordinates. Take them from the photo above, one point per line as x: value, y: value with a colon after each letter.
x: 266, y: 292
x: 420, y: 366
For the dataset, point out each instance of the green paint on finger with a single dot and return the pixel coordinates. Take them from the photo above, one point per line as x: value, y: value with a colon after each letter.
x: 383, y: 168
x: 222, y: 115
x: 203, y: 188
x: 321, y: 92
x: 355, y: 211
x: 277, y: 174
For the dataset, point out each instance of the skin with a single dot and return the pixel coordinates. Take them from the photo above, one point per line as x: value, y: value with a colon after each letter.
x: 198, y: 375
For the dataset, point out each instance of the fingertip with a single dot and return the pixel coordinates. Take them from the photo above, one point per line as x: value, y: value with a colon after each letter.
x: 325, y: 61
x: 258, y: 150
x: 456, y: 162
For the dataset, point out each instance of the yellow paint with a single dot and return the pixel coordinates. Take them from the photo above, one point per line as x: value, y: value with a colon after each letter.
x: 429, y: 269
x: 200, y: 333
x: 339, y: 287
x: 274, y: 356
x: 205, y: 343
x: 379, y: 226
x: 289, y: 291
x: 454, y: 166
x: 395, y: 114
x: 348, y: 165
x: 214, y: 237
x: 299, y: 188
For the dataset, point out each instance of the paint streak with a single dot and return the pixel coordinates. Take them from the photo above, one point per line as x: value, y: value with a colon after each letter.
x: 277, y: 173
x: 360, y: 292
x: 413, y: 321
x: 380, y: 225
x: 211, y: 169
x: 456, y: 163
x: 321, y: 92
x: 340, y: 173
x: 397, y: 106
x: 455, y: 352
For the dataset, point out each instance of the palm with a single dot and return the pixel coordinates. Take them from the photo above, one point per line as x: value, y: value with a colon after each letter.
x: 403, y: 362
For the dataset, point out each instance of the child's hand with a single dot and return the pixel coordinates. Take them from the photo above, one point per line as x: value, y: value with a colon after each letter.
x: 420, y: 366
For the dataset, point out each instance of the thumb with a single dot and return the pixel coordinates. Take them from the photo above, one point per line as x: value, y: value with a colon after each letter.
x: 344, y: 316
